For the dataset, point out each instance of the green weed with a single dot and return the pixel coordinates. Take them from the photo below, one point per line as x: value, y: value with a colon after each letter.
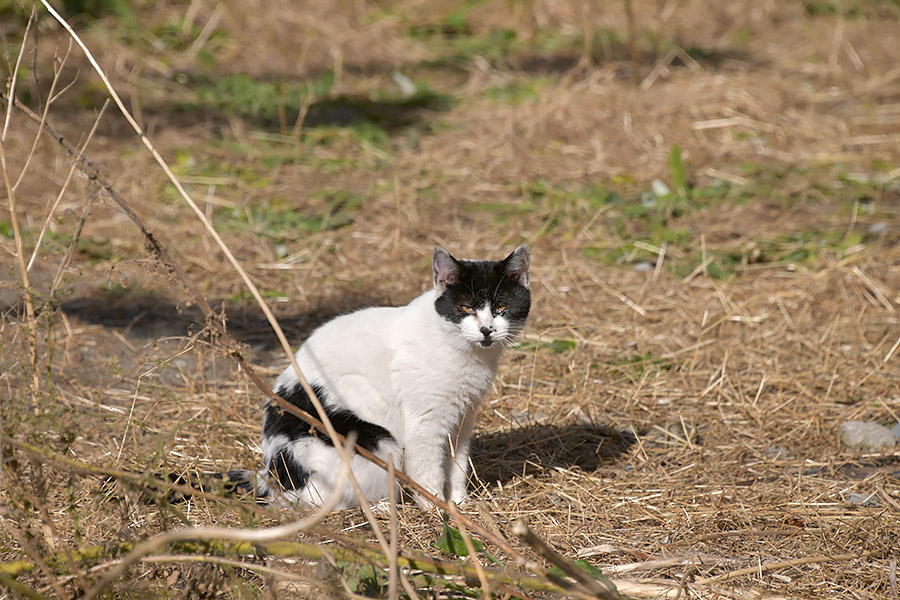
x: 279, y: 218
x: 556, y: 346
x: 272, y: 102
x: 451, y: 541
x: 365, y: 580
x: 275, y: 104
x: 637, y: 365
x: 853, y: 9
x: 519, y: 91
x: 243, y: 296
x: 121, y: 10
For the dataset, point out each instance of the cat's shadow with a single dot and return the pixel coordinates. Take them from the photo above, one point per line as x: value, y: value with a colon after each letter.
x: 532, y: 449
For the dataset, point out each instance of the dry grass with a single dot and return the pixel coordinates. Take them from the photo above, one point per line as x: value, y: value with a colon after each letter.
x: 675, y: 427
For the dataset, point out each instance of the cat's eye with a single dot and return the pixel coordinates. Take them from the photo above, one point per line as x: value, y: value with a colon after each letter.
x: 467, y: 309
x: 499, y: 309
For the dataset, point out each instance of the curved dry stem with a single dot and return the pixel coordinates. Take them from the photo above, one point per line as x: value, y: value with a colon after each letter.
x: 20, y: 259
x: 479, y: 569
x: 21, y: 588
x: 15, y: 74
x: 231, y: 562
x: 62, y: 191
x: 225, y: 533
x: 50, y: 98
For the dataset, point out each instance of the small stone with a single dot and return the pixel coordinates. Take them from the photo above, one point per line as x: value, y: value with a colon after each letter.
x: 869, y: 500
x: 522, y: 417
x: 895, y: 431
x: 643, y: 266
x: 862, y: 435
x: 680, y: 432
x: 877, y: 229
x: 776, y: 452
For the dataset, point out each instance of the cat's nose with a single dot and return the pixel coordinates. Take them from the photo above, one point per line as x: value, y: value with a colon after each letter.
x: 487, y: 331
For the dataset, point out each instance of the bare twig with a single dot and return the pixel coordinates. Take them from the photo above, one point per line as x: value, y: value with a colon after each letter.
x: 244, y: 535
x: 632, y: 43
x: 594, y: 588
x: 133, y: 478
x: 394, y: 569
x: 485, y: 586
x: 270, y: 317
x: 57, y: 70
x: 27, y: 292
x: 310, y: 551
x: 11, y: 84
x: 774, y: 566
x: 892, y: 578
x: 21, y: 588
x: 62, y: 190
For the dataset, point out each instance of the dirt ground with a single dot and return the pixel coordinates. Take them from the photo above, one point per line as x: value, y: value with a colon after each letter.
x: 711, y: 195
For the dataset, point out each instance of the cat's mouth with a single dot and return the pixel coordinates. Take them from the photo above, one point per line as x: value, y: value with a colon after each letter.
x: 486, y: 343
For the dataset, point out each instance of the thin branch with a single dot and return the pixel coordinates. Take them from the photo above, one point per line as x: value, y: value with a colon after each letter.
x: 11, y: 85
x: 394, y: 569
x: 50, y: 98
x: 150, y: 545
x: 311, y: 551
x: 485, y: 586
x: 136, y: 479
x: 775, y: 566
x: 20, y: 258
x: 21, y: 588
x: 32, y: 553
x: 594, y: 588
x: 62, y: 191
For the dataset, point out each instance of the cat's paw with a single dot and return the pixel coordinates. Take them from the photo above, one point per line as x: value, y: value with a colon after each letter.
x: 460, y: 498
x: 424, y: 503
x: 381, y: 508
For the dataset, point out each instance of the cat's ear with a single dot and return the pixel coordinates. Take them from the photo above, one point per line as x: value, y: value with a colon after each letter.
x: 518, y: 264
x: 446, y: 269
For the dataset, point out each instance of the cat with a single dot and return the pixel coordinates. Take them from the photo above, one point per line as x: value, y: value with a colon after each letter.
x: 408, y: 380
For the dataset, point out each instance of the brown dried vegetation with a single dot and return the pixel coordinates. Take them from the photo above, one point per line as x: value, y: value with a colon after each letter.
x: 701, y: 327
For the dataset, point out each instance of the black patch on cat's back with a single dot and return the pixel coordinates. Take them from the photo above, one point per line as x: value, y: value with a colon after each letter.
x: 480, y: 282
x: 280, y: 422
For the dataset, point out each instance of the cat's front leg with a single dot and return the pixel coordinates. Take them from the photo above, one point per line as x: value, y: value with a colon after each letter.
x: 423, y: 461
x: 458, y: 461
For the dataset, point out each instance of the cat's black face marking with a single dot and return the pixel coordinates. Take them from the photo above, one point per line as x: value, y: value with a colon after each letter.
x: 470, y: 285
x: 280, y: 422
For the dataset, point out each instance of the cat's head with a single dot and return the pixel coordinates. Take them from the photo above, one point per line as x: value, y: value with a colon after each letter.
x: 487, y: 300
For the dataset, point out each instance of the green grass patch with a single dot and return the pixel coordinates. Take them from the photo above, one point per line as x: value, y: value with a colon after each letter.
x: 643, y: 220
x: 556, y: 346
x: 244, y: 296
x: 519, y: 91
x: 853, y: 9
x: 276, y: 104
x: 637, y: 365
x: 282, y: 219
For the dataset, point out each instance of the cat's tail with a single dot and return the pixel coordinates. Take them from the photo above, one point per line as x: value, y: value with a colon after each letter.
x: 242, y: 481
x: 238, y: 482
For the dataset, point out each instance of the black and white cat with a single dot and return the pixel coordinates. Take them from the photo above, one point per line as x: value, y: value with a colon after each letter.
x: 407, y: 379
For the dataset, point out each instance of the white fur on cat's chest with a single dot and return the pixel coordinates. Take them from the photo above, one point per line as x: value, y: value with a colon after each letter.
x: 390, y: 358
